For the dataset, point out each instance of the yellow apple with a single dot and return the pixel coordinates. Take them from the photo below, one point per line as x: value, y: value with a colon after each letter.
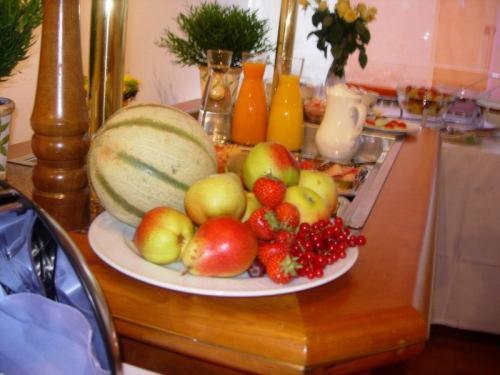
x: 252, y: 205
x: 162, y: 234
x: 311, y: 206
x: 323, y: 185
x: 219, y: 194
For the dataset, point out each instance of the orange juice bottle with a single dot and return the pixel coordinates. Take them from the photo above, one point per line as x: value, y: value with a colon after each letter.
x: 286, y: 118
x: 250, y: 110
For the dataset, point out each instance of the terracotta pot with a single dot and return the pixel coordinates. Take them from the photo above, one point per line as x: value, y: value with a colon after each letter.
x: 6, y: 109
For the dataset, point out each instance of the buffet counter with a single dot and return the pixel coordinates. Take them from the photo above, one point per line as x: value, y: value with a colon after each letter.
x: 377, y: 313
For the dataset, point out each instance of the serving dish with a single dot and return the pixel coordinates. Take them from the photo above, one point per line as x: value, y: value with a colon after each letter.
x: 111, y: 241
x: 392, y: 126
x: 419, y: 101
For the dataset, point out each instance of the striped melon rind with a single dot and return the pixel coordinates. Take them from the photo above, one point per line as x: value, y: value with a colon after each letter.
x: 145, y: 156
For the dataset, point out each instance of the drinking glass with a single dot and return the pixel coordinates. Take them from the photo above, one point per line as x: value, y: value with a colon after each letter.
x: 286, y: 118
x: 216, y: 102
x: 250, y: 110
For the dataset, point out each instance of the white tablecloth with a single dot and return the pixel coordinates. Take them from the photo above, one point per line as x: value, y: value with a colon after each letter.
x: 466, y: 291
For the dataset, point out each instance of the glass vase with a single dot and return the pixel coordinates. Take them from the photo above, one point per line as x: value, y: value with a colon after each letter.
x: 332, y: 78
x: 216, y: 102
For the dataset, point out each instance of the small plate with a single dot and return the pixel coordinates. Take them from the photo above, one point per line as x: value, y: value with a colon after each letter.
x: 411, y: 127
x: 110, y: 238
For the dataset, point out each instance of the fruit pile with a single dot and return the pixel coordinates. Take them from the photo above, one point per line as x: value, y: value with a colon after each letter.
x: 287, y: 249
x: 276, y: 219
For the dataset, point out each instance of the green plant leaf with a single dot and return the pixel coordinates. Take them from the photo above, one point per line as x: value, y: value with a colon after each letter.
x: 4, y: 140
x: 317, y: 18
x: 362, y: 58
x: 4, y: 127
x: 18, y: 19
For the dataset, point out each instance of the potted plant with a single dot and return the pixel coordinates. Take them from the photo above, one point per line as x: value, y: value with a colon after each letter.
x: 214, y: 26
x: 18, y: 19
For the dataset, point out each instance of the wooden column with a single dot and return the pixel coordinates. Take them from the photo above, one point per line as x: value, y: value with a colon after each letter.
x: 60, y: 119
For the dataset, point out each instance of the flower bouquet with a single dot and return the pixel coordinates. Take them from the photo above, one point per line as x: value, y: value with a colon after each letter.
x: 344, y: 28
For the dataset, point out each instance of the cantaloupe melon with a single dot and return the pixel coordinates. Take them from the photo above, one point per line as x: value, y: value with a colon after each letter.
x: 146, y: 156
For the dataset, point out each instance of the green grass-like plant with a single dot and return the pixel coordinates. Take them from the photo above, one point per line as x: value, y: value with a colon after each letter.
x: 18, y: 19
x: 213, y: 26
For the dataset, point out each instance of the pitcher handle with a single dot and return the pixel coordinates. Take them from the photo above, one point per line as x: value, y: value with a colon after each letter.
x: 362, y: 110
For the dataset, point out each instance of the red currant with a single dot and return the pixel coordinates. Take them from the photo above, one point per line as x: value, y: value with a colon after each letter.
x: 305, y: 227
x: 361, y: 240
x: 338, y: 221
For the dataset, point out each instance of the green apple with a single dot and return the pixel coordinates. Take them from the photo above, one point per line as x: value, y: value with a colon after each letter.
x: 270, y: 158
x: 220, y: 194
x: 162, y: 234
x: 311, y: 206
x: 252, y: 204
x: 323, y: 185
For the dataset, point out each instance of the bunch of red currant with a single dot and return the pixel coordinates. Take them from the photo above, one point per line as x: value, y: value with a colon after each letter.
x: 287, y: 250
x: 322, y: 244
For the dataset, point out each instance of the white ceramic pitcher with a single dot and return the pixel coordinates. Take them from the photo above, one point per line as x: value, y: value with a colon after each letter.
x: 338, y: 136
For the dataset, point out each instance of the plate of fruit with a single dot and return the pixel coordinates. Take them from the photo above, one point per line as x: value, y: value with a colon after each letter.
x: 112, y: 241
x: 271, y: 230
x: 390, y: 125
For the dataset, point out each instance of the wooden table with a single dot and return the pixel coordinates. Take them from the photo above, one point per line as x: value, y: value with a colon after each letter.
x: 375, y: 314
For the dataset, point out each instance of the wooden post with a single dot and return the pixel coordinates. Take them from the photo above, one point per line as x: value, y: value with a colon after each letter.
x: 60, y: 119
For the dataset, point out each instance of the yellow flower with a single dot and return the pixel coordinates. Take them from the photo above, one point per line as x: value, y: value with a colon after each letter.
x: 342, y: 7
x: 370, y: 14
x: 362, y: 10
x: 322, y: 6
x: 350, y: 15
x: 304, y: 3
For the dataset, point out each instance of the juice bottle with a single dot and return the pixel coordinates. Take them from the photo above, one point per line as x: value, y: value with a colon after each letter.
x: 250, y: 110
x: 286, y: 118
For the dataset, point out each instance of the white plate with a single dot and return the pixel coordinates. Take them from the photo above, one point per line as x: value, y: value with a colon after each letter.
x: 411, y: 127
x: 108, y: 238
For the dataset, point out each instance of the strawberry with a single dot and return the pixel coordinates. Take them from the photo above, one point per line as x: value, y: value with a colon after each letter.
x: 284, y: 236
x: 288, y: 216
x: 269, y: 249
x: 282, y: 268
x: 269, y: 191
x: 307, y: 164
x: 263, y: 223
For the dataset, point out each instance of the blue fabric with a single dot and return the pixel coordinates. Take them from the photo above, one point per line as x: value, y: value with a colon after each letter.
x: 40, y: 336
x: 19, y: 277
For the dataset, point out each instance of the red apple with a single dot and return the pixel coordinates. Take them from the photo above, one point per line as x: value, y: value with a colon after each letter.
x: 222, y: 246
x: 162, y: 234
x: 311, y: 206
x: 270, y: 158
